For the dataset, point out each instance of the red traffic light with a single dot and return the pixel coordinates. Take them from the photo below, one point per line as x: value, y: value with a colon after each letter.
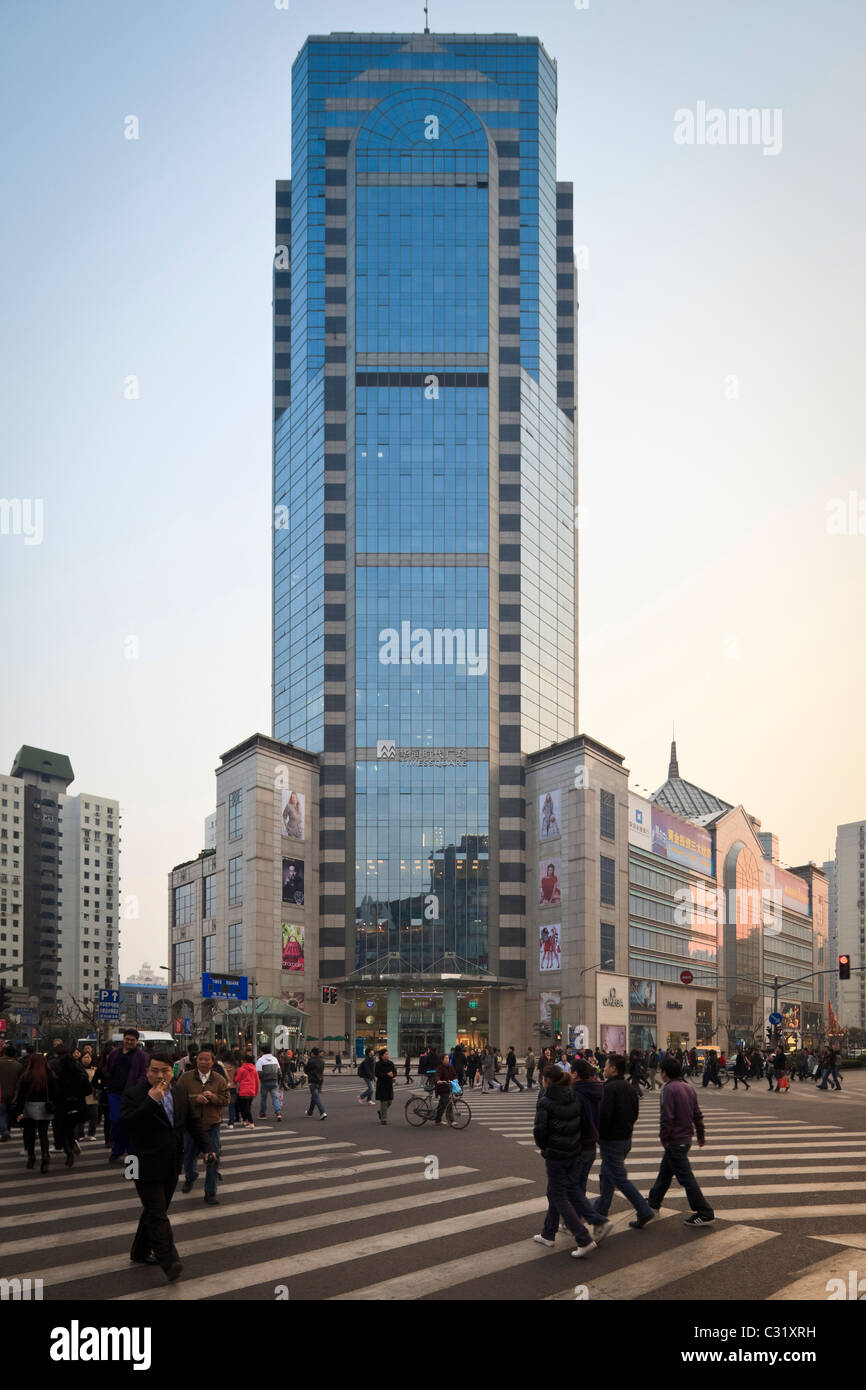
x: 844, y: 967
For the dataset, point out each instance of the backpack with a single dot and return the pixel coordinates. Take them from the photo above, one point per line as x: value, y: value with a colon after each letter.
x: 270, y: 1072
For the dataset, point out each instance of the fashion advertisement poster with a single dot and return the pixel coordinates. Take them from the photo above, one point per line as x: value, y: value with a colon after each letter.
x: 293, y: 881
x: 549, y: 815
x: 293, y: 815
x: 549, y: 948
x: 548, y: 874
x: 293, y: 946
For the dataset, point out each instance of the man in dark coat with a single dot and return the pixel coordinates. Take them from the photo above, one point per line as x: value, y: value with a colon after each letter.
x: 127, y: 1067
x: 155, y: 1114
x: 557, y: 1134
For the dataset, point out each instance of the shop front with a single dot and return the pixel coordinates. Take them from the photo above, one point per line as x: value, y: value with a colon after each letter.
x: 611, y: 1002
x: 410, y: 1021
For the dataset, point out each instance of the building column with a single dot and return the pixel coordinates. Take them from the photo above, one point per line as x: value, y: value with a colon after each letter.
x: 393, y: 1024
x: 449, y: 1019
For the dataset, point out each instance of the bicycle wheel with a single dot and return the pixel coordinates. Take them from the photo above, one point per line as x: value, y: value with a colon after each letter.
x: 416, y: 1110
x: 460, y: 1114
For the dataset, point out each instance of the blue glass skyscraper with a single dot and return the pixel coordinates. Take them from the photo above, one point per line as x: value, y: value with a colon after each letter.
x: 424, y: 491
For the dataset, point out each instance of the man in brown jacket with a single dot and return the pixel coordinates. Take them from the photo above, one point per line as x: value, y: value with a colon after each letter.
x: 208, y: 1095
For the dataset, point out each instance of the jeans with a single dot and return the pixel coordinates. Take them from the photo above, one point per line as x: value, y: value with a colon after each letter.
x: 233, y: 1106
x: 830, y: 1074
x: 511, y: 1075
x: 316, y: 1100
x: 269, y: 1088
x: 577, y: 1188
x: 675, y: 1164
x: 368, y: 1093
x: 190, y: 1159
x: 6, y: 1122
x: 154, y: 1229
x: 561, y: 1181
x: 120, y: 1143
x: 613, y: 1176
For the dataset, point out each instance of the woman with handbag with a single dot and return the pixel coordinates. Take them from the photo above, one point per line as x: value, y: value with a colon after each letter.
x: 34, y: 1105
x: 445, y: 1075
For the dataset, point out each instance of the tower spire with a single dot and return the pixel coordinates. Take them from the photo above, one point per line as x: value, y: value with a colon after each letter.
x: 426, y: 18
x: 674, y: 768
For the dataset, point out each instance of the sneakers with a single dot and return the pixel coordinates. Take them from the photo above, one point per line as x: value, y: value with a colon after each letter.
x: 371, y: 1102
x: 542, y: 1240
x: 603, y: 1229
x: 583, y: 1250
x: 212, y: 1201
x: 695, y: 1220
x: 230, y: 1126
x: 279, y: 1118
x: 643, y: 1221
x: 187, y: 1187
x: 362, y: 1101
x: 324, y: 1115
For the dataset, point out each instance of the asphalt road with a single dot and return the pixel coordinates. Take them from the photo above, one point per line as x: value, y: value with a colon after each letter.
x: 348, y: 1208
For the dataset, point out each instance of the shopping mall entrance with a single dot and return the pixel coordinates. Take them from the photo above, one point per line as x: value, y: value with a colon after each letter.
x: 409, y: 1021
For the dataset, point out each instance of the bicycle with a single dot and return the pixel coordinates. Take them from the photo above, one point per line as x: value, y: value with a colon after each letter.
x: 421, y: 1108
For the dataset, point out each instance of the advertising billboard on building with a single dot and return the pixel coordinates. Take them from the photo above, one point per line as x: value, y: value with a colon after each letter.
x: 549, y: 948
x: 794, y: 891
x: 294, y: 815
x: 293, y: 946
x: 548, y: 883
x: 642, y: 994
x: 681, y: 842
x: 549, y: 815
x: 639, y: 821
x: 293, y: 881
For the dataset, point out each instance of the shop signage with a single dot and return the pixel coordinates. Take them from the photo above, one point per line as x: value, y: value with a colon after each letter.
x: 387, y: 749
x: 674, y: 1004
x: 611, y: 1001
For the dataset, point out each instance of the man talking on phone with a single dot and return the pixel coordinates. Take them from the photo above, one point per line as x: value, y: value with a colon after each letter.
x: 156, y: 1115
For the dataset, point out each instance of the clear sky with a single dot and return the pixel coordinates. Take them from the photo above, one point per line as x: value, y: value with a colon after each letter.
x: 721, y: 395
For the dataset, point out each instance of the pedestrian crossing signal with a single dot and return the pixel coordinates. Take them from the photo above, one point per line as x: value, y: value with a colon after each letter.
x: 844, y: 967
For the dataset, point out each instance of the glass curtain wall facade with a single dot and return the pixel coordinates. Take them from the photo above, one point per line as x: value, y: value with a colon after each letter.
x: 424, y: 485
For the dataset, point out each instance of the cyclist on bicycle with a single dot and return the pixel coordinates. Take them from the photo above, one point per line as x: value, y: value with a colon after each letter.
x: 444, y: 1075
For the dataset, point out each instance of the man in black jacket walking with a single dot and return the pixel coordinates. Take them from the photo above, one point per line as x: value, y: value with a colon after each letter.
x: 511, y: 1069
x: 557, y: 1134
x: 155, y: 1114
x: 619, y: 1111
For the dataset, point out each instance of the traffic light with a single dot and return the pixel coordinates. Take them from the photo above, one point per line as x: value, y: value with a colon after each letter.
x: 333, y: 994
x: 844, y: 967
x: 326, y: 995
x: 4, y: 996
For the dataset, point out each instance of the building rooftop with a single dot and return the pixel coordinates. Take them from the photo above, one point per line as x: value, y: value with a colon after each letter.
x: 29, y: 759
x: 686, y: 799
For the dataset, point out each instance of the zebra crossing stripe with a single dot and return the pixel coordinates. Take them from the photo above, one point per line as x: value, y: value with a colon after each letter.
x: 431, y: 1280
x: 292, y: 1265
x: 280, y: 1164
x: 97, y: 1208
x: 855, y: 1240
x: 646, y: 1275
x: 182, y: 1219
x: 227, y: 1240
x: 813, y: 1281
